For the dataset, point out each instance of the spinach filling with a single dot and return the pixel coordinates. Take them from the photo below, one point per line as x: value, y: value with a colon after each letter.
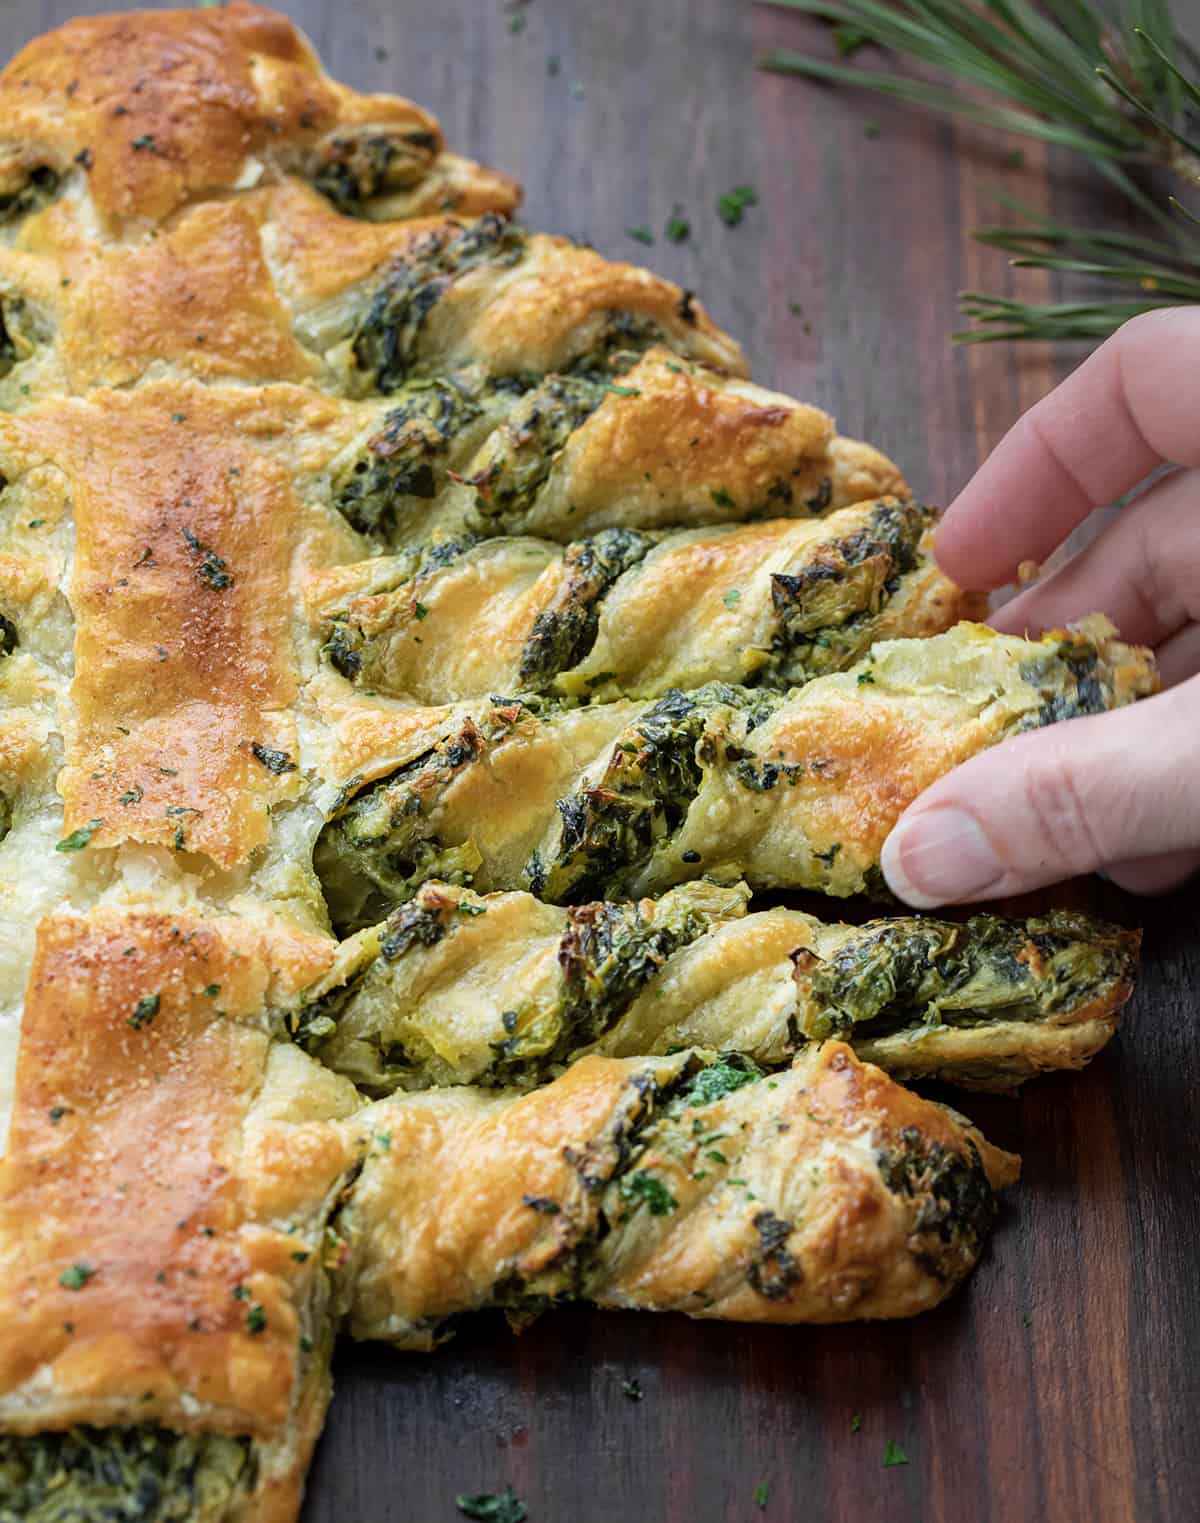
x: 957, y: 1205
x: 565, y: 631
x: 825, y: 613
x: 350, y: 168
x: 378, y: 847
x: 607, y: 956
x: 143, y: 1474
x: 1071, y: 680
x: 611, y: 827
x: 386, y: 346
x: 36, y: 190
x: 520, y: 455
x: 409, y: 457
x: 916, y: 974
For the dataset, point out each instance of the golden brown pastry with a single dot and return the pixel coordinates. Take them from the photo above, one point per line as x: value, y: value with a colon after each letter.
x: 150, y: 111
x: 164, y: 1271
x: 501, y: 989
x: 820, y: 1194
x: 786, y: 791
x: 632, y: 613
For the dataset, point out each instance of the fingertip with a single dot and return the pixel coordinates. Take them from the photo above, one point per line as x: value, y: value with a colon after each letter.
x: 940, y: 855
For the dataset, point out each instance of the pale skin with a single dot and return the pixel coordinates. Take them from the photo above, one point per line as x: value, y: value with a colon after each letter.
x: 1119, y: 792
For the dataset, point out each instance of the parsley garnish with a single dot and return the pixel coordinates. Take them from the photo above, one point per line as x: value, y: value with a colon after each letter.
x: 256, y: 1319
x: 78, y: 839
x: 471, y: 909
x: 132, y: 795
x: 641, y: 234
x: 678, y: 228
x: 622, y: 391
x: 420, y: 611
x: 493, y: 1506
x: 211, y: 568
x: 144, y: 1011
x: 57, y: 1112
x: 273, y: 761
x: 722, y: 498
x: 731, y: 207
x: 384, y: 1139
x: 144, y: 143
x: 732, y: 598
x: 76, y: 1277
x: 761, y: 1492
x: 865, y: 677
x: 213, y: 990
x: 856, y: 1422
x: 893, y: 1455
x: 642, y: 1187
x: 632, y: 1388
x: 241, y: 1293
x: 301, y: 1255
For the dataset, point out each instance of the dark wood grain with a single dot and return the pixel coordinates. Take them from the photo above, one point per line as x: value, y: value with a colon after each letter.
x: 1064, y: 1383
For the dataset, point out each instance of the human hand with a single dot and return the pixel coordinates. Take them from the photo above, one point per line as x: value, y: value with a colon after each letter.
x: 1117, y: 791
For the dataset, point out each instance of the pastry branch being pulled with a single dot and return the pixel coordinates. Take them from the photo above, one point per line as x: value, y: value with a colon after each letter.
x: 788, y: 791
x: 825, y: 1193
x: 458, y: 988
x: 630, y: 613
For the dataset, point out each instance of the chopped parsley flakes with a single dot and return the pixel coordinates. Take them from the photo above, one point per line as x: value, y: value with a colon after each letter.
x: 731, y: 207
x: 78, y: 839
x: 493, y: 1506
x: 144, y: 1011
x: 642, y: 1188
x: 77, y: 1276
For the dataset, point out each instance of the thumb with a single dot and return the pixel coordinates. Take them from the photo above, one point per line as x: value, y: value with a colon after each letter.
x: 1111, y: 788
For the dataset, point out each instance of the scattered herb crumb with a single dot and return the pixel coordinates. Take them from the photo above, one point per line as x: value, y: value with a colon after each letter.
x: 731, y: 207
x: 213, y: 990
x: 144, y: 1011
x: 256, y: 1319
x: 632, y: 1388
x: 622, y: 391
x: 77, y: 1276
x: 796, y: 308
x: 493, y: 1506
x: 640, y: 235
x: 732, y: 598
x: 871, y: 130
x: 856, y: 1422
x: 641, y: 1187
x: 678, y: 228
x: 761, y: 1492
x: 1026, y: 1319
x: 132, y: 795
x: 273, y: 761
x: 420, y: 611
x: 78, y: 839
x: 57, y: 1112
x: 471, y: 909
x: 893, y: 1455
x: 723, y: 500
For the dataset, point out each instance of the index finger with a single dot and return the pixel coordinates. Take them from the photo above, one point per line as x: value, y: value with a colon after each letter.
x: 1129, y: 407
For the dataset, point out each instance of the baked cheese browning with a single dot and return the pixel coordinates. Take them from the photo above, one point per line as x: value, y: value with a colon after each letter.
x: 184, y: 666
x: 461, y: 988
x: 786, y: 791
x: 165, y: 106
x: 163, y: 1205
x: 633, y: 614
x: 822, y: 1194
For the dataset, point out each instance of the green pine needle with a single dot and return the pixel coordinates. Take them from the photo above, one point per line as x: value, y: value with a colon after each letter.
x: 1114, y: 82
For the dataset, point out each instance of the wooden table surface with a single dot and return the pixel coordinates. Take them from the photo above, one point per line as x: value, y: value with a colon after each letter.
x: 1063, y: 1384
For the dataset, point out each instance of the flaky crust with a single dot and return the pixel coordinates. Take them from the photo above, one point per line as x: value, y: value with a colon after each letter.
x: 164, y: 1176
x: 599, y: 1186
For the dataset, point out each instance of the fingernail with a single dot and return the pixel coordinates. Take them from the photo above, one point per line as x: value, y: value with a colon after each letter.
x: 939, y: 857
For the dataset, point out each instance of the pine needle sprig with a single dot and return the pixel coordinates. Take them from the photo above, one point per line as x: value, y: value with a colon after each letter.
x: 1118, y: 84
